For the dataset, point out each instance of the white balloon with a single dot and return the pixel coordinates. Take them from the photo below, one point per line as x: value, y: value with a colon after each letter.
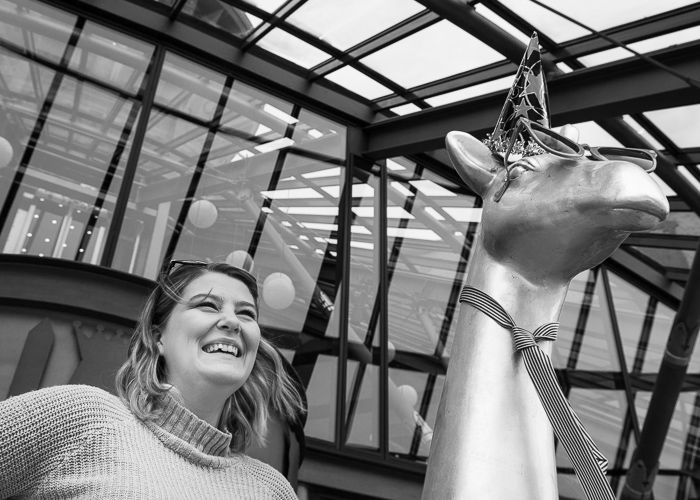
x: 202, y: 214
x: 240, y: 258
x: 6, y: 152
x: 391, y: 351
x: 408, y: 394
x: 278, y: 291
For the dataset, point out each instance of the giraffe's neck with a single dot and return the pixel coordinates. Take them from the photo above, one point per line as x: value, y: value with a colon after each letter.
x: 492, y: 438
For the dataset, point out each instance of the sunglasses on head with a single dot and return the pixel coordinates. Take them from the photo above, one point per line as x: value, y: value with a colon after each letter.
x: 559, y: 145
x: 177, y: 264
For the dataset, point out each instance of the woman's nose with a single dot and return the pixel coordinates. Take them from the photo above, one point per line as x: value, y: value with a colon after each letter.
x: 229, y: 322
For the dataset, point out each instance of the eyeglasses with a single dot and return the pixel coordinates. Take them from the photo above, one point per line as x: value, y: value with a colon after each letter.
x: 559, y: 145
x: 176, y: 264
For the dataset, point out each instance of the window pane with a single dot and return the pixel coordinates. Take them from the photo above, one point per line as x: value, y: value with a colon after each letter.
x: 64, y: 205
x: 283, y: 44
x: 363, y: 311
x: 598, y: 14
x: 680, y: 124
x: 423, y: 57
x: 344, y: 24
x: 36, y: 28
x: 111, y: 57
x: 358, y: 82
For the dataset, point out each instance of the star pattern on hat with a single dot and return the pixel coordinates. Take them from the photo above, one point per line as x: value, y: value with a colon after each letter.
x: 527, y: 98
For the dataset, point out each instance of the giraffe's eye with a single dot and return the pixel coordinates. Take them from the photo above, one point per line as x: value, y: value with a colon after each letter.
x: 516, y: 171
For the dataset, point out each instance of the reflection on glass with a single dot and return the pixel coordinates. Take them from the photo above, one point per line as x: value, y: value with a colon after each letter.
x: 232, y: 20
x: 572, y: 320
x: 36, y: 28
x: 595, y: 348
x: 631, y: 307
x: 363, y: 311
x: 427, y: 253
x: 344, y: 24
x: 64, y: 204
x: 112, y: 58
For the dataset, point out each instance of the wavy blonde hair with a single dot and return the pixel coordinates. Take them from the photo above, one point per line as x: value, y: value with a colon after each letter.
x: 141, y: 383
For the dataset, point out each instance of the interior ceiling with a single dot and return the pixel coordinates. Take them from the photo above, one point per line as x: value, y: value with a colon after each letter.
x: 626, y: 74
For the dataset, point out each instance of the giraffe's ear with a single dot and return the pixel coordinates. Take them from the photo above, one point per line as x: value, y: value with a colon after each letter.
x: 473, y: 160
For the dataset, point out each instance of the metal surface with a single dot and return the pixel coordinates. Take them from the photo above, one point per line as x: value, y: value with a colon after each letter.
x: 558, y: 218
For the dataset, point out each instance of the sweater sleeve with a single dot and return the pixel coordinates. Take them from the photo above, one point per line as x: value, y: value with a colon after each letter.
x: 274, y: 481
x: 39, y: 429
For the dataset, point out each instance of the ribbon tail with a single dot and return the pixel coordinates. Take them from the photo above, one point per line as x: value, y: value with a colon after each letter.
x: 589, y: 463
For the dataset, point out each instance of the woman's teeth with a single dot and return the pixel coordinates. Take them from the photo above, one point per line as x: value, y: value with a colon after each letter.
x: 228, y: 348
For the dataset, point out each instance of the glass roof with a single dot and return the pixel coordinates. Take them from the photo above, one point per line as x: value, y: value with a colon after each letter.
x: 435, y: 52
x: 344, y: 24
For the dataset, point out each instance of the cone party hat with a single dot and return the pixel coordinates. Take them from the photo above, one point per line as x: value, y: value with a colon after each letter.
x: 527, y: 98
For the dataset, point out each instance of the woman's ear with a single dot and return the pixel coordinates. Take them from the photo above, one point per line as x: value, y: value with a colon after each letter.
x: 473, y: 160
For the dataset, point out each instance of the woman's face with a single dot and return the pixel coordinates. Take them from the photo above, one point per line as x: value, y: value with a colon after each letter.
x: 210, y: 341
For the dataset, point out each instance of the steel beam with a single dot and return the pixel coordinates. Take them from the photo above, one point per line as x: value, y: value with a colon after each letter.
x: 669, y: 382
x: 610, y: 90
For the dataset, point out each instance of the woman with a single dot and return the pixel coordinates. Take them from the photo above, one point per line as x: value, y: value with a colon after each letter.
x: 196, y: 389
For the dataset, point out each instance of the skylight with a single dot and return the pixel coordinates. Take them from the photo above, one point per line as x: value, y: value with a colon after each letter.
x: 439, y: 51
x: 344, y: 24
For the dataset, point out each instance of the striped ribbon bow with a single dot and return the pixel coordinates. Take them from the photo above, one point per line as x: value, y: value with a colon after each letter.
x: 589, y: 463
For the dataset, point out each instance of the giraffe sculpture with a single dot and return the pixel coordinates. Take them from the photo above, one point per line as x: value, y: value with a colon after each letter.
x: 557, y: 218
x: 551, y: 209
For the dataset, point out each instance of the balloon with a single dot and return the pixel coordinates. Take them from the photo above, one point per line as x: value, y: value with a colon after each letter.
x: 6, y: 152
x: 278, y: 291
x: 202, y: 214
x: 409, y: 394
x: 391, y: 351
x: 240, y: 258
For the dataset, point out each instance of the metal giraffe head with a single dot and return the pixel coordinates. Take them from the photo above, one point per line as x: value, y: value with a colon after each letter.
x: 559, y: 216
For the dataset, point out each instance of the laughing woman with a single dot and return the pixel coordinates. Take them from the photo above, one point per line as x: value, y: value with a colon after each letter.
x: 196, y: 390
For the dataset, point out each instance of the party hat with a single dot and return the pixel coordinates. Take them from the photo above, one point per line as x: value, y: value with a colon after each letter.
x: 528, y: 98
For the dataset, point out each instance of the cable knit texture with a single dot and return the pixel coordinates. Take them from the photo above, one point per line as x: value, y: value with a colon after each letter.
x: 78, y: 441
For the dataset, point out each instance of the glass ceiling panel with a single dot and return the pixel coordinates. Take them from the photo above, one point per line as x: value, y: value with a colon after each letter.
x: 598, y: 14
x: 406, y: 109
x: 642, y: 131
x: 344, y: 24
x: 502, y: 23
x: 681, y: 124
x: 358, y: 82
x: 290, y: 47
x: 593, y: 134
x: 472, y: 91
x: 648, y: 45
x: 436, y: 52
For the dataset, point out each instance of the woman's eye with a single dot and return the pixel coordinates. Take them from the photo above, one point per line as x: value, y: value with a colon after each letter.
x: 208, y: 305
x: 249, y: 313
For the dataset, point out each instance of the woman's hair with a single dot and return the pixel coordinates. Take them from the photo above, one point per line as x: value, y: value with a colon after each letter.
x: 141, y: 382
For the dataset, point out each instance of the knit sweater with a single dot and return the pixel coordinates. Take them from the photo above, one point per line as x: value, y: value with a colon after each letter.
x: 76, y: 441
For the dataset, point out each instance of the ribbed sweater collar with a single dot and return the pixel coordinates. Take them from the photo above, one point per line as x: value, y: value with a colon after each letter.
x: 190, y: 433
